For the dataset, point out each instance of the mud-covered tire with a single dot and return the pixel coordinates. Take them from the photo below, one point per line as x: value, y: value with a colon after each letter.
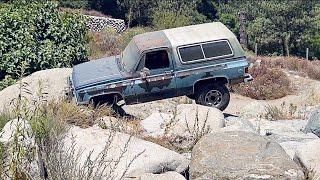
x: 213, y: 95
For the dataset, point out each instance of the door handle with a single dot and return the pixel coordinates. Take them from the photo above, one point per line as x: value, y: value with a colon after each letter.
x: 169, y: 72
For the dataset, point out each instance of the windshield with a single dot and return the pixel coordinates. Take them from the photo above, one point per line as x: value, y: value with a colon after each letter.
x: 130, y: 56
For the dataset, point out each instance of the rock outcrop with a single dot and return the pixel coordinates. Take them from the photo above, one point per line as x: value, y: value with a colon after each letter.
x: 308, y: 155
x: 52, y: 81
x: 188, y: 120
x: 145, y: 157
x: 241, y: 155
x: 171, y: 175
x: 313, y: 125
x: 155, y: 125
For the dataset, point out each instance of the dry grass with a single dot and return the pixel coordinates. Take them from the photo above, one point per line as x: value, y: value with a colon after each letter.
x: 268, y: 83
x: 104, y: 43
x: 109, y: 42
x: 282, y: 112
x: 83, y: 116
x: 303, y: 66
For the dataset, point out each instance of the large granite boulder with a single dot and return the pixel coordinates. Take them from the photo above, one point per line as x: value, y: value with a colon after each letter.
x: 156, y: 124
x: 187, y: 121
x: 308, y: 155
x: 52, y: 81
x: 313, y: 125
x: 193, y: 117
x: 170, y: 175
x: 132, y: 156
x: 241, y: 155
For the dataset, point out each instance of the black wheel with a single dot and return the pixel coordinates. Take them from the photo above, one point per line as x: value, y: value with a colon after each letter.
x: 214, y: 95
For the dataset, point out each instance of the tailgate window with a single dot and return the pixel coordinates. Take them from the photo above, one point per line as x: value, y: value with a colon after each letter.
x: 217, y: 49
x: 191, y: 53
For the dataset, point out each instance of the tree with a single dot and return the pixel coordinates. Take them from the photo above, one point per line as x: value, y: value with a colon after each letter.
x: 176, y: 13
x: 136, y: 11
x: 277, y: 26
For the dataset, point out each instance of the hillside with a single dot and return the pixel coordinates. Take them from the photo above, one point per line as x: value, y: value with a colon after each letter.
x: 176, y: 125
x: 270, y: 130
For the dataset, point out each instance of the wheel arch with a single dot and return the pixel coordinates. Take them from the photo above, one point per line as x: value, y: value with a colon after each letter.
x: 200, y: 82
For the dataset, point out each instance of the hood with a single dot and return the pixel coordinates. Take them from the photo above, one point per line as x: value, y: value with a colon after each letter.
x: 96, y: 71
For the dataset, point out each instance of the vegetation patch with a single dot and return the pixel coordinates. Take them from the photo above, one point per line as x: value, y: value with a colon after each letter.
x: 109, y: 42
x: 268, y: 83
x: 307, y: 68
x: 38, y: 34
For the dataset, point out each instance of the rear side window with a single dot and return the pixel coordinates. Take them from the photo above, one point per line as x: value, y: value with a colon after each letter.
x: 207, y: 50
x: 217, y: 49
x: 191, y: 53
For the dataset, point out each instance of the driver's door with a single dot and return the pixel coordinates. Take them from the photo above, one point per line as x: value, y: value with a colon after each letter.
x: 157, y: 80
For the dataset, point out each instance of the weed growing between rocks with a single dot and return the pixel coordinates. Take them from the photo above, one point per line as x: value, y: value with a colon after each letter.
x: 194, y: 131
x: 282, y: 112
x: 64, y: 163
x: 274, y: 113
x: 71, y: 113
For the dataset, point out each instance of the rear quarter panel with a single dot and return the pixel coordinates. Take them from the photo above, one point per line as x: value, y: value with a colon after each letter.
x: 188, y: 74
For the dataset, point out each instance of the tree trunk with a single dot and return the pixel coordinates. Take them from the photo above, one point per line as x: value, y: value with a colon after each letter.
x: 285, y: 44
x: 129, y: 16
x: 242, y: 31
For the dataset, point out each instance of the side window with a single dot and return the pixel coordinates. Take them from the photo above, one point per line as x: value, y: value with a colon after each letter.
x: 191, y: 53
x: 217, y: 49
x: 156, y: 60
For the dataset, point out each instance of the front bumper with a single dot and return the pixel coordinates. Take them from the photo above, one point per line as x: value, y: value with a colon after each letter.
x: 247, y: 78
x: 243, y: 79
x: 69, y: 90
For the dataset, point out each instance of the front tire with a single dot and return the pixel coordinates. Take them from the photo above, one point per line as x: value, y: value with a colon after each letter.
x: 214, y: 95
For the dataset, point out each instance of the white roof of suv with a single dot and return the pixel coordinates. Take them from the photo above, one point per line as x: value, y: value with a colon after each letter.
x: 188, y: 35
x: 203, y: 33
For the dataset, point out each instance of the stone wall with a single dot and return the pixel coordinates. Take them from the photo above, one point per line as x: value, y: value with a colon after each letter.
x: 96, y: 23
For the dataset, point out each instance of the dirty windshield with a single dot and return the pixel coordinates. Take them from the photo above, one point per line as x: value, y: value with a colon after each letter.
x: 130, y: 56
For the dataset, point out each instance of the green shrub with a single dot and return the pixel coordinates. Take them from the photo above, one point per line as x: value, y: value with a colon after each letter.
x: 165, y: 20
x: 36, y: 32
x: 74, y: 3
x: 7, y: 81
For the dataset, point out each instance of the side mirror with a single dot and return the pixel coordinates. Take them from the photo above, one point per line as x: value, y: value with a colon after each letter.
x: 144, y: 73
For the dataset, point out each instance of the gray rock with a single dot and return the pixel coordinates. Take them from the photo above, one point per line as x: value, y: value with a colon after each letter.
x: 291, y: 147
x: 21, y: 130
x: 193, y: 118
x: 238, y: 124
x: 171, y: 175
x: 153, y: 159
x: 189, y: 120
x: 54, y: 82
x: 10, y: 129
x: 308, y: 155
x: 155, y: 124
x: 313, y: 125
x: 241, y: 155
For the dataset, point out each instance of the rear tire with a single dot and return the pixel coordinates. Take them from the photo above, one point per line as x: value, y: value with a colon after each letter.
x: 213, y: 95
